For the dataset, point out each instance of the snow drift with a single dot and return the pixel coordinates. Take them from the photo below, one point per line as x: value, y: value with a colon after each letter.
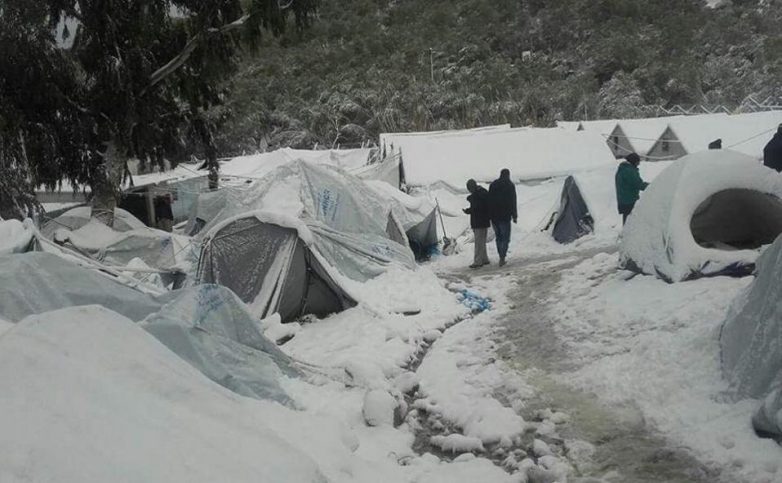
x: 751, y: 342
x: 706, y: 214
x: 15, y: 236
x: 90, y: 396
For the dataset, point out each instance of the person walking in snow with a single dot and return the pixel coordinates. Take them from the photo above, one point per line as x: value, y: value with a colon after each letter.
x: 628, y: 185
x: 502, y: 195
x: 772, y: 153
x: 480, y: 219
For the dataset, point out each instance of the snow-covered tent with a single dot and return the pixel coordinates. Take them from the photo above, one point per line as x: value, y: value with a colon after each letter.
x: 392, y: 144
x: 155, y: 248
x: 308, y: 216
x: 96, y: 398
x: 637, y: 135
x: 706, y: 214
x: 751, y: 342
x: 573, y: 218
x: 528, y: 153
x: 690, y: 134
x: 76, y: 218
x: 272, y: 263
x: 208, y: 326
x: 211, y: 329
x: 37, y: 282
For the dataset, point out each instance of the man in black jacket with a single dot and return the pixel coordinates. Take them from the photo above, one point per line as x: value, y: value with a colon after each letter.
x: 772, y: 153
x: 502, y: 194
x: 480, y: 219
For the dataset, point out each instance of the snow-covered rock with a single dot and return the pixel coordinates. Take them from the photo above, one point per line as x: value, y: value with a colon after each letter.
x: 457, y: 443
x: 378, y: 409
x: 15, y: 236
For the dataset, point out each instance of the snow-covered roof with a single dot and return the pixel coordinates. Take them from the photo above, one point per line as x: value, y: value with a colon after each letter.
x: 398, y: 140
x: 600, y: 126
x: 528, y: 153
x: 255, y: 166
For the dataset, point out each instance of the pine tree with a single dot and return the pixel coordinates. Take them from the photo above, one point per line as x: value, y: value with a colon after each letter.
x: 145, y: 74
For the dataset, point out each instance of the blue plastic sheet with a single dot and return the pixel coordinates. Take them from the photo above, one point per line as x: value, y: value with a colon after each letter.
x: 473, y: 301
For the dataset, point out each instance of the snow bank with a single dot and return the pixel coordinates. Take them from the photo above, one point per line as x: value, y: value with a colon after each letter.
x: 659, y: 238
x: 127, y: 409
x: 15, y: 237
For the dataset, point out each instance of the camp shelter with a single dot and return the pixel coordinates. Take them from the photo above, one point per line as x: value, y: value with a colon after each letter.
x: 392, y: 144
x: 573, y: 218
x: 706, y: 214
x: 751, y: 343
x: 271, y: 262
x: 689, y: 134
x: 528, y: 153
x: 76, y: 218
x: 637, y: 135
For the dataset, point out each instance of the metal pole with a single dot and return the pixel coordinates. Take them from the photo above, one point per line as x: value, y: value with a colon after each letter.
x: 431, y: 63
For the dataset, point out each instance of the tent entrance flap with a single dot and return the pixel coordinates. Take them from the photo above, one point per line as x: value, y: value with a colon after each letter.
x: 573, y: 218
x: 736, y: 219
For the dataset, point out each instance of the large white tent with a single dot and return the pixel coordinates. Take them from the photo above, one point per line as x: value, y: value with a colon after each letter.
x: 528, y: 153
x: 394, y: 143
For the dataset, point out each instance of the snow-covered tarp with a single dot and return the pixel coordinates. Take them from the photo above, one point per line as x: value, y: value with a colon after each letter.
x: 37, y: 282
x: 345, y: 221
x: 706, y: 214
x: 15, y: 236
x: 94, y: 397
x: 76, y: 218
x: 751, y: 341
x: 528, y: 153
x: 393, y: 143
x: 210, y: 328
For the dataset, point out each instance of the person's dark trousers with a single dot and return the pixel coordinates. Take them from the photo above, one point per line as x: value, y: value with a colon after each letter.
x: 502, y: 237
x: 625, y: 211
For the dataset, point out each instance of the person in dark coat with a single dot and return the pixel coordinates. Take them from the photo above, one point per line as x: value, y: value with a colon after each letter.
x: 164, y: 216
x: 480, y: 219
x: 772, y: 153
x: 502, y: 194
x: 628, y: 185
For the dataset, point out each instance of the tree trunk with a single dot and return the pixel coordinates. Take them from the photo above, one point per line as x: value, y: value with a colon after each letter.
x: 106, y: 188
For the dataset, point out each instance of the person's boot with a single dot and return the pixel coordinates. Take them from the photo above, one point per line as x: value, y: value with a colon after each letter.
x: 475, y: 265
x: 502, y: 261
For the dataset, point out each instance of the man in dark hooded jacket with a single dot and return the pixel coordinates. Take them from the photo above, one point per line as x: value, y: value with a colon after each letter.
x: 479, y: 221
x: 502, y: 194
x: 772, y: 153
x: 628, y: 185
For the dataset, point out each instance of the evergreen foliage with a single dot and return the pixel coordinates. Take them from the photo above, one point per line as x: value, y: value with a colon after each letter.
x: 366, y: 67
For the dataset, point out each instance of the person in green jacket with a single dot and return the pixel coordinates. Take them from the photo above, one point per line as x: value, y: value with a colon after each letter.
x: 628, y: 185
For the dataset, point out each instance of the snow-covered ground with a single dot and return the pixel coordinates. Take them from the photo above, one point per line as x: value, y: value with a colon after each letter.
x: 574, y: 359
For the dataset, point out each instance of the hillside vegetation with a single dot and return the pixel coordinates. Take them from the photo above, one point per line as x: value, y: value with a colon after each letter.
x: 369, y: 66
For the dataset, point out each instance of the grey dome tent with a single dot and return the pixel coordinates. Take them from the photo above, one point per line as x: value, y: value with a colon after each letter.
x: 265, y: 261
x: 573, y: 219
x: 751, y: 342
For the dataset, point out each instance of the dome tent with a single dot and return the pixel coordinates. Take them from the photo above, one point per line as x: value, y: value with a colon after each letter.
x: 270, y: 262
x: 706, y: 214
x: 751, y: 342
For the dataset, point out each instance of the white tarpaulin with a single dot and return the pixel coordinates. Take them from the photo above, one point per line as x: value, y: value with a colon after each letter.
x: 15, y: 236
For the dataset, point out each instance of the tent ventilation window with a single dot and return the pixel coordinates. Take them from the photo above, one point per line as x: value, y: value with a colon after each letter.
x: 736, y: 219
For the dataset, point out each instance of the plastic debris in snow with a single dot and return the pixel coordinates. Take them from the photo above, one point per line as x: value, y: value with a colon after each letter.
x: 473, y: 301
x: 76, y: 218
x: 104, y: 401
x: 751, y: 341
x: 15, y: 236
x: 706, y: 214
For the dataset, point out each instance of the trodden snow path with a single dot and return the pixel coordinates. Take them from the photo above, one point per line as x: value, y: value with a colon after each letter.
x: 621, y: 373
